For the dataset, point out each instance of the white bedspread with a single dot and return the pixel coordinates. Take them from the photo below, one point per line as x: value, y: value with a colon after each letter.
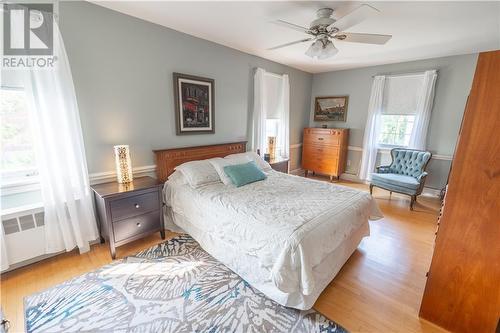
x: 288, y: 223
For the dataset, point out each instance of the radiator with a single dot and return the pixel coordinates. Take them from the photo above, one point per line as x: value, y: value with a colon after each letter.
x: 24, y: 234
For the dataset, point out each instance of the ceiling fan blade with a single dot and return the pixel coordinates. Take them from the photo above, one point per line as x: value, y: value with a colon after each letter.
x: 291, y: 43
x: 343, y: 10
x: 354, y: 17
x: 363, y: 38
x: 291, y: 26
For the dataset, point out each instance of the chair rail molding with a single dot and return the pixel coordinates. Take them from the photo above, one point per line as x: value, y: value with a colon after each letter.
x: 387, y: 151
x: 383, y: 151
x: 109, y: 176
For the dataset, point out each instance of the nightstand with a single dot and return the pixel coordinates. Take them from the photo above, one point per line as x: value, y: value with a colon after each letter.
x: 127, y: 212
x: 280, y: 164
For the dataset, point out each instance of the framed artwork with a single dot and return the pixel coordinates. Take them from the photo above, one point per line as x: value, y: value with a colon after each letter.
x: 332, y: 108
x: 194, y: 104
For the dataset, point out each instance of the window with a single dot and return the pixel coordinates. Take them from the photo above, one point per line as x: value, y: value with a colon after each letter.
x: 275, y: 122
x: 271, y: 114
x: 396, y: 129
x: 17, y: 143
x: 399, y: 108
x: 272, y: 130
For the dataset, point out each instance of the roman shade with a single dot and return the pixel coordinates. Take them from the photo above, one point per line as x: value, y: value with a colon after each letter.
x: 401, y: 94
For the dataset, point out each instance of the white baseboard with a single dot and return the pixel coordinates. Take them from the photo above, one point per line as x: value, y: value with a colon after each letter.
x: 297, y: 172
x: 352, y: 178
x: 428, y: 191
x: 431, y: 192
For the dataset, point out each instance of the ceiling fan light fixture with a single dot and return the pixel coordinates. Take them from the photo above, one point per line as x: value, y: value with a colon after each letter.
x: 328, y: 26
x: 315, y: 49
x: 328, y: 51
x: 322, y: 49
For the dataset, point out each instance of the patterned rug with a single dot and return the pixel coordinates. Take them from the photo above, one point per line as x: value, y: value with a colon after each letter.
x: 172, y: 287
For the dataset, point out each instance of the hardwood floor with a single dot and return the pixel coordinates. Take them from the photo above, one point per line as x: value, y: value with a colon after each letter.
x: 379, y: 289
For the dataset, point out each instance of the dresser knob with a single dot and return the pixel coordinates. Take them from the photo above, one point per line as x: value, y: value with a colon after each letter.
x: 138, y: 225
x: 137, y: 206
x: 320, y: 139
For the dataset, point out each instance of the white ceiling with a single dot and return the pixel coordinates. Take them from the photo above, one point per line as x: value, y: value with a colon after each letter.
x: 420, y: 29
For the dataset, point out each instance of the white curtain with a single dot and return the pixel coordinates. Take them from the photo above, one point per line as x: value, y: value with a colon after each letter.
x: 423, y: 112
x: 271, y: 101
x: 259, y: 112
x: 60, y: 155
x: 283, y: 139
x: 372, y: 129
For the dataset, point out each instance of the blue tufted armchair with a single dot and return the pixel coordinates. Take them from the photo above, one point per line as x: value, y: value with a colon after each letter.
x: 406, y: 173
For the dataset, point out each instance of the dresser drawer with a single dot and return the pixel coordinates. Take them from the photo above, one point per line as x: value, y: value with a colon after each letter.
x: 312, y: 151
x: 323, y: 136
x: 135, y: 205
x: 131, y: 227
x: 328, y: 167
x: 325, y: 163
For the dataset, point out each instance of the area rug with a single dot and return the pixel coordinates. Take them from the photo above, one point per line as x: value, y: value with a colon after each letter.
x: 172, y: 287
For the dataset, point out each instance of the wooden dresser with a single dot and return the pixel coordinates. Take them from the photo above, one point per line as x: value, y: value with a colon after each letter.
x: 324, y: 150
x: 462, y: 293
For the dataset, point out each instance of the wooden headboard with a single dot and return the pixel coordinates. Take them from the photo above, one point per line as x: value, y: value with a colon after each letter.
x: 168, y: 159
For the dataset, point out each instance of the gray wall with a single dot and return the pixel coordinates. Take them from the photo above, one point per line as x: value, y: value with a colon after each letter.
x: 454, y: 81
x: 122, y: 69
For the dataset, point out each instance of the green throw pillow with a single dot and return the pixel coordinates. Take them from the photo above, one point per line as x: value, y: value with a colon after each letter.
x: 242, y: 174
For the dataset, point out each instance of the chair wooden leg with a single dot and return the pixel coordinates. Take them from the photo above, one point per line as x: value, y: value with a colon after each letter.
x: 306, y: 172
x: 371, y: 189
x: 412, y: 201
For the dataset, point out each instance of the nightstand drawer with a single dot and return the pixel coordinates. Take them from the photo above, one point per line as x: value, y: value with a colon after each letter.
x: 135, y: 205
x: 280, y: 166
x: 136, y: 225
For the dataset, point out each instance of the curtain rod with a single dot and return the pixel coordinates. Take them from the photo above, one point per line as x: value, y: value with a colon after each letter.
x: 270, y: 73
x: 402, y: 74
x: 274, y: 74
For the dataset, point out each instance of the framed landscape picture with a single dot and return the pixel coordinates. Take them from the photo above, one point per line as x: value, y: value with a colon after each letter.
x: 332, y: 108
x: 194, y: 104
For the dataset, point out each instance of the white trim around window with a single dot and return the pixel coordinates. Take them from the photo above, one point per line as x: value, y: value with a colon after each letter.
x: 20, y: 185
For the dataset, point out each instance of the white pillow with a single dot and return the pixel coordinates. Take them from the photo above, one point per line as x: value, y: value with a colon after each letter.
x: 219, y: 164
x: 177, y: 178
x: 261, y: 163
x: 198, y: 173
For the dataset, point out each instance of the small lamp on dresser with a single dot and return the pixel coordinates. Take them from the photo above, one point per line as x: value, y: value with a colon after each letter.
x: 123, y: 164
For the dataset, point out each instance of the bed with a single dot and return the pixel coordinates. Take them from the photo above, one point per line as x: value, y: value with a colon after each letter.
x: 287, y: 236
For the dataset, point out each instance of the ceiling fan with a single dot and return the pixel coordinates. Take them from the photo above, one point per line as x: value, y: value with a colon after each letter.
x: 329, y: 26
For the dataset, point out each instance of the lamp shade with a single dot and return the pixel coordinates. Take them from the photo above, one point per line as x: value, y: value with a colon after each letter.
x: 329, y: 50
x: 322, y: 49
x: 123, y: 164
x: 315, y: 49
